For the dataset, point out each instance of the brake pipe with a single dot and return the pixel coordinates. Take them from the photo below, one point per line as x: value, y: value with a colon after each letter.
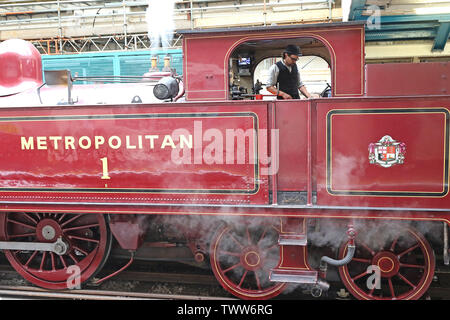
x: 116, y: 272
x: 351, y: 248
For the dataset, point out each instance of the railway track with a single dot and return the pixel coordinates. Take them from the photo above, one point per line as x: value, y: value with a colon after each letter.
x: 135, y: 284
x: 131, y: 284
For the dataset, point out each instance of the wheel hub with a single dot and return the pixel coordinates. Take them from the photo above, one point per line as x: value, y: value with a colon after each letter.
x: 48, y: 230
x: 251, y: 258
x: 387, y: 262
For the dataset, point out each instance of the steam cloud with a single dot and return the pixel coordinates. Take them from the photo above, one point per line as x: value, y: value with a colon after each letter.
x: 159, y: 17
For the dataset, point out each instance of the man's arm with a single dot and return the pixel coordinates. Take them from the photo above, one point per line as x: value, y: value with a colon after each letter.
x: 273, y: 90
x: 305, y: 92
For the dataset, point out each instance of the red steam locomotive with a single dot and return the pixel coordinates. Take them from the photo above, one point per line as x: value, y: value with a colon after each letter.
x: 275, y: 193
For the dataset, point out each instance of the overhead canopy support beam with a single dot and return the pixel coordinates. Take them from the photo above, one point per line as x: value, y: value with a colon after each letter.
x: 408, y: 18
x: 356, y: 9
x: 397, y: 27
x: 441, y: 36
x: 389, y: 35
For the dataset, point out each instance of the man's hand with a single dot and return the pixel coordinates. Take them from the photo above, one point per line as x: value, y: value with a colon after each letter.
x: 285, y: 96
x: 314, y: 96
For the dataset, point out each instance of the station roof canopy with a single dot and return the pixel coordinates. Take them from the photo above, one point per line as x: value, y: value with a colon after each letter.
x: 403, y: 19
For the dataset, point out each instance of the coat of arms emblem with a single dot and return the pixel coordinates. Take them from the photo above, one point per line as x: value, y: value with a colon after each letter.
x: 387, y: 152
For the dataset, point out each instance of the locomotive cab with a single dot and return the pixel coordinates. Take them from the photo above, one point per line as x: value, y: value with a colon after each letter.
x: 250, y: 61
x: 224, y: 64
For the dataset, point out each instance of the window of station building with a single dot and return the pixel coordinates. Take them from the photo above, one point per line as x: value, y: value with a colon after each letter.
x: 315, y: 73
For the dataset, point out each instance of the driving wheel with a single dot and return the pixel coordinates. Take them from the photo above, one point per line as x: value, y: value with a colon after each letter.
x: 86, y: 235
x: 389, y: 264
x: 242, y: 257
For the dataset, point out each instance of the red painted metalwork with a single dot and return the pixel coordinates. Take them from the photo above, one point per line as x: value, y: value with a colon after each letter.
x: 105, y: 154
x: 346, y: 129
x: 292, y: 121
x: 407, y: 79
x: 129, y: 230
x: 21, y: 67
x: 294, y: 257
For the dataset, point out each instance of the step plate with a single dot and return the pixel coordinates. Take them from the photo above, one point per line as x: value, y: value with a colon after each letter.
x: 292, y: 240
x: 293, y: 275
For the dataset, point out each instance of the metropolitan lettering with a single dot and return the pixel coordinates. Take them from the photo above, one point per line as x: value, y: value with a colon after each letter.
x: 96, y: 142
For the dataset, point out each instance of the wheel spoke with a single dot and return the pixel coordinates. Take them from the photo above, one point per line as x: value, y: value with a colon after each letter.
x: 362, y: 260
x: 52, y: 256
x: 30, y: 258
x: 34, y: 221
x: 408, y: 250
x: 242, y: 279
x: 63, y: 261
x: 406, y: 280
x: 262, y: 235
x: 394, y: 243
x: 22, y: 235
x: 364, y: 273
x: 249, y: 239
x: 81, y: 227
x: 391, y: 288
x: 82, y: 238
x: 232, y: 267
x: 406, y: 265
x: 44, y: 255
x: 70, y: 220
x: 21, y: 224
x: 73, y: 257
x: 365, y: 246
x: 235, y: 240
x: 258, y: 282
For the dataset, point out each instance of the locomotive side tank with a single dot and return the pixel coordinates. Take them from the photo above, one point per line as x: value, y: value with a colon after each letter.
x: 74, y: 174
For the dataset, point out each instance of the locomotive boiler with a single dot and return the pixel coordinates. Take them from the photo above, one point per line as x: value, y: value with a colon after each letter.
x: 273, y: 192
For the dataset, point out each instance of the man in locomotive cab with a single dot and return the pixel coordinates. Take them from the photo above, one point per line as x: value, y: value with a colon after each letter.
x: 285, y: 73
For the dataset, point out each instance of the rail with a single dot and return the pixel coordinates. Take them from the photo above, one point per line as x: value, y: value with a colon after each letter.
x: 79, y: 294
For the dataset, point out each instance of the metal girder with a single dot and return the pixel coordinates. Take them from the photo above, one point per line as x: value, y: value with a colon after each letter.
x: 409, y: 26
x: 396, y: 27
x: 400, y: 35
x: 100, y: 43
x: 408, y: 18
x: 442, y: 36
